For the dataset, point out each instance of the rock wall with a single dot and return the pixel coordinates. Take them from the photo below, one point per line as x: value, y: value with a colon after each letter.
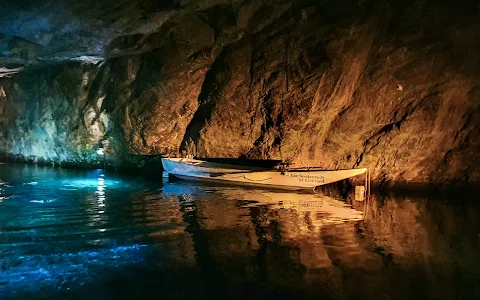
x: 45, y: 115
x: 389, y: 85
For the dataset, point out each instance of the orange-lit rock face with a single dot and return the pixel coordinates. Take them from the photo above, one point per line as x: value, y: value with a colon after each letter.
x: 391, y: 86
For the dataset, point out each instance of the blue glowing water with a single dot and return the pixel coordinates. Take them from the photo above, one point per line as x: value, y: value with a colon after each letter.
x: 87, y: 234
x: 56, y: 229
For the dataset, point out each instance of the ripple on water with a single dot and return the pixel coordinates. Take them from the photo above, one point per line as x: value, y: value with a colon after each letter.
x: 75, y: 234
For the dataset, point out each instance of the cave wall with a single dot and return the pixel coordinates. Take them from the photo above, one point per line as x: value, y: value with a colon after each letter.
x: 389, y: 85
x: 45, y: 116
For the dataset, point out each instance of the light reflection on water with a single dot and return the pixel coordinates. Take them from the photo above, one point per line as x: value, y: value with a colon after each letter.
x: 68, y: 233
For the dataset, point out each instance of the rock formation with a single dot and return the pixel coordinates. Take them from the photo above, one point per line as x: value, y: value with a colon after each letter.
x: 389, y: 85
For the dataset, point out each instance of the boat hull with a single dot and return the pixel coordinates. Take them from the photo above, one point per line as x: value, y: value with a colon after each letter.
x: 246, y: 184
x: 198, y: 170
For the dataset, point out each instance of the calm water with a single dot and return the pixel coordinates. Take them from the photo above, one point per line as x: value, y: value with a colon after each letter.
x: 90, y: 235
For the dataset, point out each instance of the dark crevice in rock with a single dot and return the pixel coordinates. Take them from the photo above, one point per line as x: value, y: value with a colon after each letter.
x: 219, y: 18
x: 215, y: 78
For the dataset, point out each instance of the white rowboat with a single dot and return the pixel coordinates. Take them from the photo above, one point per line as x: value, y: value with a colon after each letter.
x: 292, y: 179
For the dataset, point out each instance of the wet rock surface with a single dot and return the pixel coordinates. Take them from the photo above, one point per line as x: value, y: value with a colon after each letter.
x: 388, y: 85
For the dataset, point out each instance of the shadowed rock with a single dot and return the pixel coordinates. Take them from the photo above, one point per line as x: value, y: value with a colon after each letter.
x: 387, y: 85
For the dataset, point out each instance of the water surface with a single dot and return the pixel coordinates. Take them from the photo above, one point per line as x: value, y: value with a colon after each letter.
x: 96, y: 235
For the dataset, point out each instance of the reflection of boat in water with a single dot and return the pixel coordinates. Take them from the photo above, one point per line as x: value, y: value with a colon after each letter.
x: 330, y: 209
x: 294, y: 179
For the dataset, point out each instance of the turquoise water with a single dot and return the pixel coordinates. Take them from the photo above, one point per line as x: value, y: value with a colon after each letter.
x: 96, y: 235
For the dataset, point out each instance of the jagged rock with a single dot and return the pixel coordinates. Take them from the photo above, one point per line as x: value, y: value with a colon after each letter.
x: 23, y: 48
x: 389, y: 85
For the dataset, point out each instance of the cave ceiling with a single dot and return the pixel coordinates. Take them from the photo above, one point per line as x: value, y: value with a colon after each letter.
x: 37, y: 32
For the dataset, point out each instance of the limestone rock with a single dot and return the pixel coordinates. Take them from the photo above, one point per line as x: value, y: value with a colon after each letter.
x: 388, y: 85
